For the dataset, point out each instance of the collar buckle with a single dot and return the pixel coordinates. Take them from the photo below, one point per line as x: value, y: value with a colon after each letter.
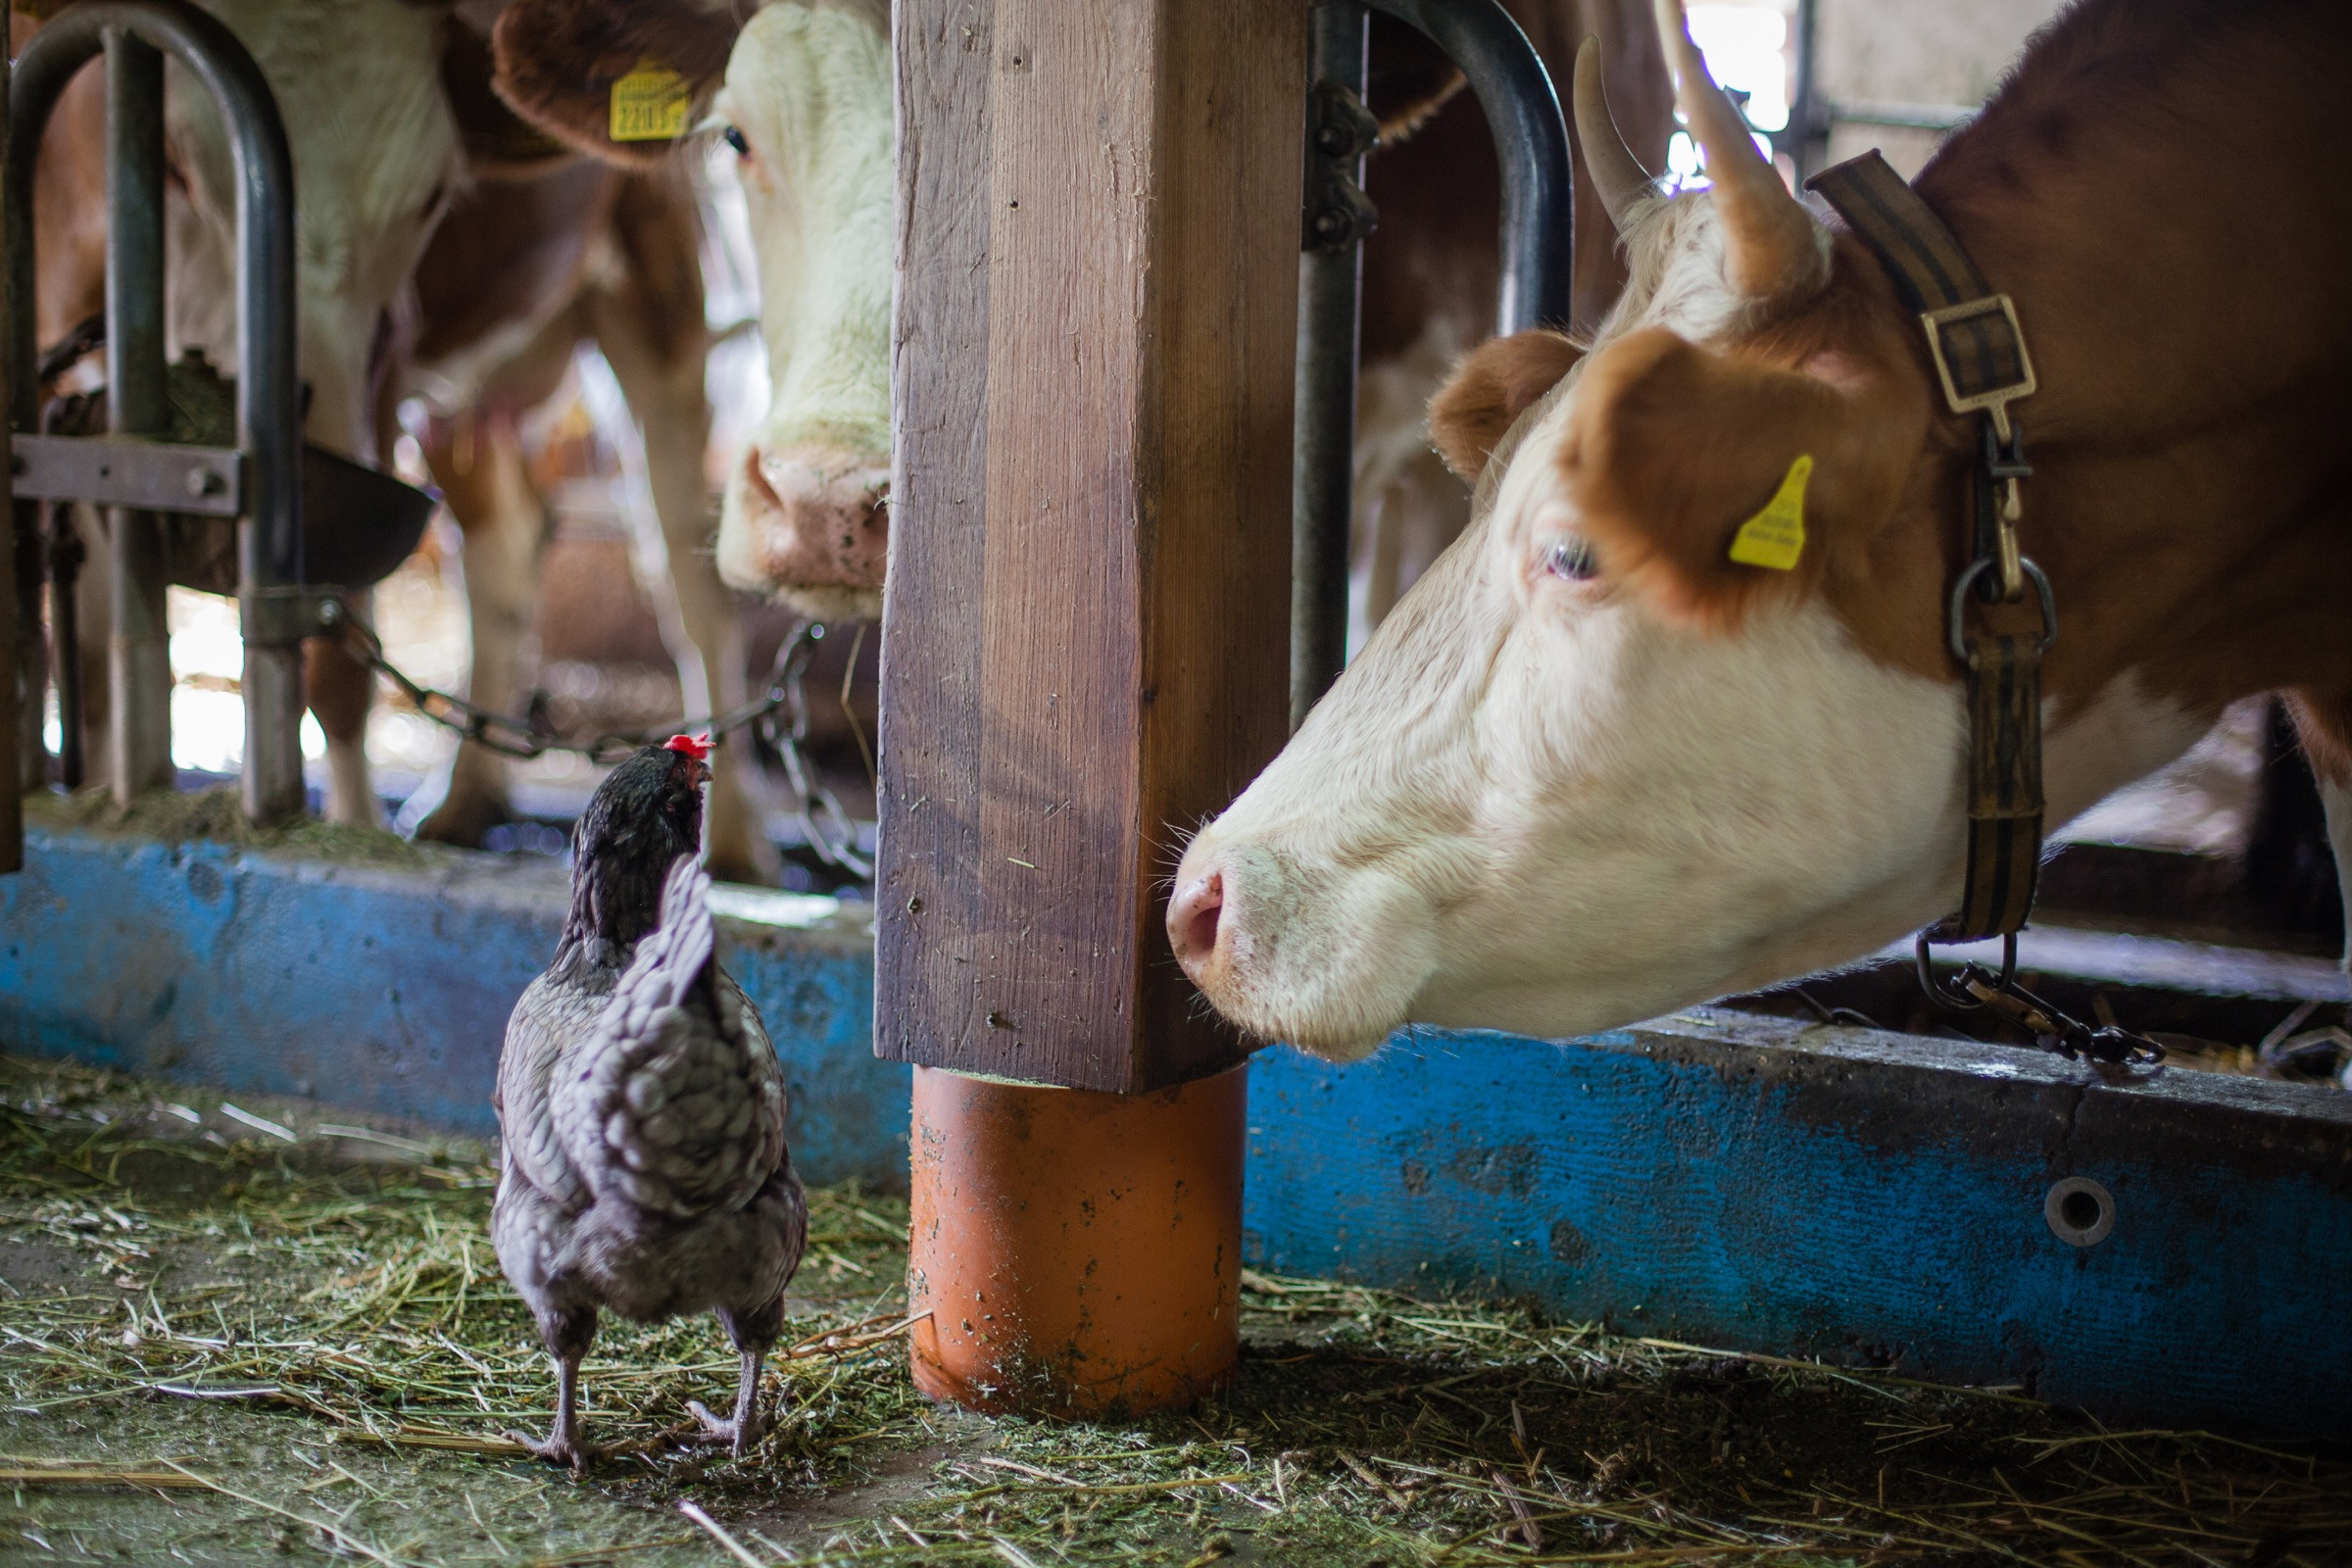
x: 1981, y: 357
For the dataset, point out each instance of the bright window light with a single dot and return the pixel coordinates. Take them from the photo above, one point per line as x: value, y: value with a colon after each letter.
x: 1744, y: 46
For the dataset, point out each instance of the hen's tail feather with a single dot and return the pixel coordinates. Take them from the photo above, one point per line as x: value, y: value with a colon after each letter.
x: 675, y: 954
x: 670, y: 1102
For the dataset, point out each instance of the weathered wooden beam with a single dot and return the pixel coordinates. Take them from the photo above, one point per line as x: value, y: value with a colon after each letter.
x: 1084, y: 636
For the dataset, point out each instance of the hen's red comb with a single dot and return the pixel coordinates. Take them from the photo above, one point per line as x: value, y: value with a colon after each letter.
x: 697, y: 747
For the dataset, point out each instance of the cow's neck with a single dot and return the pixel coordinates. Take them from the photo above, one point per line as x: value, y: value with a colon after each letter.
x: 2187, y: 313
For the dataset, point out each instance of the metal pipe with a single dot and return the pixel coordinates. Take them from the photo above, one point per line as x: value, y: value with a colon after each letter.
x: 139, y: 646
x: 269, y: 405
x: 29, y: 570
x: 66, y: 555
x: 1805, y: 139
x: 1531, y: 143
x: 1535, y: 248
x: 11, y: 766
x: 1330, y: 288
x: 1900, y: 115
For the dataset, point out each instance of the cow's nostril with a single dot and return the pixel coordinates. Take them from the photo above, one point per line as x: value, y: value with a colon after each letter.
x: 1192, y: 921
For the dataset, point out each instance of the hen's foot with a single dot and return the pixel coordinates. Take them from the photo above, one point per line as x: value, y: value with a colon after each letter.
x: 742, y: 1433
x: 557, y: 1448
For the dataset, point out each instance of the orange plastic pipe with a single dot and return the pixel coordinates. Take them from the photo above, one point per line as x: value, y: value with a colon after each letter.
x: 1079, y: 1252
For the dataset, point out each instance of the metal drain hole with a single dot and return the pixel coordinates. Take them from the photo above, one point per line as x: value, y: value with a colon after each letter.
x: 2080, y: 1212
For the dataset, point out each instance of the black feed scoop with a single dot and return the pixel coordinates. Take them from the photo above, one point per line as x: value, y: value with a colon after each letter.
x: 357, y: 523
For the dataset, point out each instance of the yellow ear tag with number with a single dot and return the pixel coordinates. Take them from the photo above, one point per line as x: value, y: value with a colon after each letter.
x: 1776, y: 536
x: 650, y: 104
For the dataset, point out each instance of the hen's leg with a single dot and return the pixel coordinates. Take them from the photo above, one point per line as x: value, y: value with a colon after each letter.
x: 753, y: 1333
x: 568, y: 1338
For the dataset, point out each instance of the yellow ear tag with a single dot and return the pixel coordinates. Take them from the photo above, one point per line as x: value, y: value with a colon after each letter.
x: 1776, y: 536
x: 650, y: 104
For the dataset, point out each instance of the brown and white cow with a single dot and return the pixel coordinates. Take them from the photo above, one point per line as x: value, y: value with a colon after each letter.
x: 376, y: 151
x: 803, y: 91
x: 1592, y: 770
x: 389, y: 111
x: 806, y: 100
x: 535, y: 260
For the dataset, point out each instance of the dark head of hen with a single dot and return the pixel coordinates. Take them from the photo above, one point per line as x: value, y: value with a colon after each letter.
x: 645, y: 813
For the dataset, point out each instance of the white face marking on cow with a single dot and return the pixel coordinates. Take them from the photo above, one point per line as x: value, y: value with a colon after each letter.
x: 1534, y: 803
x: 375, y: 151
x: 809, y: 96
x: 1533, y: 806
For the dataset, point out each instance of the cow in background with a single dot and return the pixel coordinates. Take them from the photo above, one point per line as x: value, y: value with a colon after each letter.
x: 804, y: 93
x: 376, y: 151
x: 389, y: 111
x: 554, y: 252
x: 1593, y: 769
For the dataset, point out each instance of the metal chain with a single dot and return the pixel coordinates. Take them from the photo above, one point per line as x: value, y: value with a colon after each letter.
x: 780, y: 716
x: 1976, y: 987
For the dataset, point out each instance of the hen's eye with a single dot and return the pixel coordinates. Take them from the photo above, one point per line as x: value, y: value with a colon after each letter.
x: 1571, y: 559
x: 737, y: 141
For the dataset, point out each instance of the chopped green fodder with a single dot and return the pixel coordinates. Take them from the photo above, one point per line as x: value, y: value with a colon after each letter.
x: 177, y: 815
x: 216, y: 1347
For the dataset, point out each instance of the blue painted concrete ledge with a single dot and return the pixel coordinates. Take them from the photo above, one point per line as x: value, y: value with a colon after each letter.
x: 387, y: 989
x: 1758, y: 1183
x: 1716, y: 1178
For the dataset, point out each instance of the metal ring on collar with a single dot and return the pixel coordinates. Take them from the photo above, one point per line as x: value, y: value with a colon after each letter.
x: 1952, y: 995
x: 1959, y: 603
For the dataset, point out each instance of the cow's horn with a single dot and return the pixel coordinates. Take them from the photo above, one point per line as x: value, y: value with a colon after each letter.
x: 1770, y: 245
x: 1616, y: 172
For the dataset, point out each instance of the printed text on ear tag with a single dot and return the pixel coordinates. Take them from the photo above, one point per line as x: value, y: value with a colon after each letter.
x: 650, y: 104
x: 1776, y: 536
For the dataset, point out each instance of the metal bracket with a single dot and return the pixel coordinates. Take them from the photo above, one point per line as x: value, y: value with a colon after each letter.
x: 285, y: 614
x: 1339, y: 131
x: 122, y: 471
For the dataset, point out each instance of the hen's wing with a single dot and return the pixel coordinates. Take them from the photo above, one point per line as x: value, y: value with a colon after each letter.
x: 551, y: 1017
x: 675, y: 1103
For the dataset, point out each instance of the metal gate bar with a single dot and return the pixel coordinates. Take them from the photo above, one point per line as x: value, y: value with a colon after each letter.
x: 276, y: 612
x: 1813, y: 114
x: 1537, y: 252
x: 18, y: 523
x: 138, y: 653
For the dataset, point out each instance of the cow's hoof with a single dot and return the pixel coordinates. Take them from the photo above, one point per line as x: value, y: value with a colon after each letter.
x: 462, y: 822
x: 747, y: 867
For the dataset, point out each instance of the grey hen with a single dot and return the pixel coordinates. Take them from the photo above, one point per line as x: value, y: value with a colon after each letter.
x: 642, y: 1164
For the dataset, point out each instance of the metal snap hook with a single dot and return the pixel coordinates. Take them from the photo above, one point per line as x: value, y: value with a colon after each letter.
x: 2078, y: 1212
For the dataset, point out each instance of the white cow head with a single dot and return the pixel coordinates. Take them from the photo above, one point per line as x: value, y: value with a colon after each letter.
x: 1591, y: 769
x: 358, y: 85
x: 806, y: 103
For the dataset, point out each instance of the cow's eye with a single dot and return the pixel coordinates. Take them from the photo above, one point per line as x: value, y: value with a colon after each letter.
x: 1571, y: 559
x: 738, y: 140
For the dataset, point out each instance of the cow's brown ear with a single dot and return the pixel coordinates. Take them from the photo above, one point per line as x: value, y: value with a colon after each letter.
x: 498, y: 142
x: 1496, y: 382
x: 619, y: 80
x: 1710, y: 481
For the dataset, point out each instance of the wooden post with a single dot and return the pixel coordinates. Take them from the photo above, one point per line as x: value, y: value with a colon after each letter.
x: 1085, y: 652
x: 1085, y: 639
